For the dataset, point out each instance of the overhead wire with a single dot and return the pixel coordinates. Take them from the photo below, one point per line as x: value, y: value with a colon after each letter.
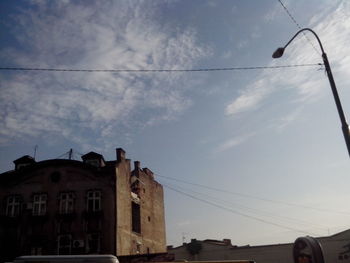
x: 156, y: 70
x: 75, y: 155
x: 62, y: 155
x: 239, y: 213
x: 256, y: 197
x: 258, y: 211
x: 297, y: 24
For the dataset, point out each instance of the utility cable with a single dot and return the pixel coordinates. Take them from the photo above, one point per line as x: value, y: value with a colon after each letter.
x: 295, y: 22
x: 257, y: 198
x: 263, y: 213
x: 62, y: 155
x: 239, y: 213
x: 157, y: 70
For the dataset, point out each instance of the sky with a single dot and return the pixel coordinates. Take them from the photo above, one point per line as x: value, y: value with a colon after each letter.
x: 255, y: 155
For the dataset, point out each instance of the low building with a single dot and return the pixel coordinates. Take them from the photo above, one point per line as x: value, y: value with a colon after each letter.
x: 336, y: 249
x: 93, y: 206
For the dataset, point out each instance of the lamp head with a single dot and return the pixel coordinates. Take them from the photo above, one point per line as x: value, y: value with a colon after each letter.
x: 278, y: 53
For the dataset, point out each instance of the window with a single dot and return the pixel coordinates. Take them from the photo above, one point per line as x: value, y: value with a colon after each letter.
x: 66, y: 203
x: 13, y: 205
x: 39, y: 204
x: 93, y: 243
x: 64, y: 245
x: 36, y: 250
x: 21, y: 165
x: 93, y: 200
x: 136, y: 217
x: 93, y: 162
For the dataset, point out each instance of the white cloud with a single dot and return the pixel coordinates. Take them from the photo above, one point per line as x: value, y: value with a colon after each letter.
x: 227, y: 54
x: 212, y: 3
x: 233, y: 142
x: 307, y: 84
x: 112, y: 35
x: 286, y: 120
x: 273, y: 13
x: 250, y: 98
x: 256, y: 32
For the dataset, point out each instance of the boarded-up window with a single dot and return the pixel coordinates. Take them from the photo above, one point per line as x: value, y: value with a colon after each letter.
x: 136, y: 217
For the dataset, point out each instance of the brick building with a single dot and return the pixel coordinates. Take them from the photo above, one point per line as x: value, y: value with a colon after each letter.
x: 93, y: 206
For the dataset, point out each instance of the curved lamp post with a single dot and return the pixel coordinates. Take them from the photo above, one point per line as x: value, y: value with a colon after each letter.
x: 345, y: 127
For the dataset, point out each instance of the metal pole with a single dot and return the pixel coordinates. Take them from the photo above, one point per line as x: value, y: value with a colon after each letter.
x: 70, y: 154
x: 345, y: 126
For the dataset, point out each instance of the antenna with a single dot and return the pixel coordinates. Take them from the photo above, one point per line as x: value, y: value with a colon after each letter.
x: 183, y: 237
x: 70, y: 154
x: 35, y: 149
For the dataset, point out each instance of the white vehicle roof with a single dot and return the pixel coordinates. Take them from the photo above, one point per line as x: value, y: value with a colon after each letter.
x: 68, y: 258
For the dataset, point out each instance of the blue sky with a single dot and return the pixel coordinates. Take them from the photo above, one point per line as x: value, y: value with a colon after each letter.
x: 270, y: 137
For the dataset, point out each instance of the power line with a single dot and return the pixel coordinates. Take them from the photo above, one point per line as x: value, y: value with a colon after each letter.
x: 295, y: 22
x: 71, y: 154
x: 257, y: 198
x: 239, y: 213
x: 263, y: 213
x: 157, y: 70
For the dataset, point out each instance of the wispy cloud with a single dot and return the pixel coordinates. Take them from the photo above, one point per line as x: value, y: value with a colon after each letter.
x: 286, y: 120
x: 249, y: 98
x: 64, y: 34
x: 307, y: 85
x: 232, y: 142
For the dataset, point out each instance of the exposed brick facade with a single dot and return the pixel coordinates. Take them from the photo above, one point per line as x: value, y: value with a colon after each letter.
x: 64, y: 206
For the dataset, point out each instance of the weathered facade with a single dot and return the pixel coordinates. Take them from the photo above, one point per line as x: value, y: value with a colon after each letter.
x: 64, y: 206
x: 336, y: 249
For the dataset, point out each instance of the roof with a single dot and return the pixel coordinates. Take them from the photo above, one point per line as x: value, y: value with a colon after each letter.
x: 92, y: 155
x: 342, y: 233
x: 24, y: 159
x: 222, y: 243
x: 16, y: 174
x: 217, y: 242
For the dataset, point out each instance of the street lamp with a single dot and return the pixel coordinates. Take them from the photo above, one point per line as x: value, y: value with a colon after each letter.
x: 345, y: 127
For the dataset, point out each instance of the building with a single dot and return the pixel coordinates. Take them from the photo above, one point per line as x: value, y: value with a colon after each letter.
x: 336, y: 249
x: 93, y: 206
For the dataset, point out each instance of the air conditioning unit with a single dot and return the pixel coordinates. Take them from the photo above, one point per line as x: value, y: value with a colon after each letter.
x: 29, y: 206
x: 78, y: 243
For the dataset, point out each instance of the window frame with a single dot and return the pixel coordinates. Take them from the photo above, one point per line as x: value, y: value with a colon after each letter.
x: 89, y: 238
x: 64, y: 246
x: 94, y: 200
x: 66, y: 203
x: 13, y: 207
x: 39, y: 202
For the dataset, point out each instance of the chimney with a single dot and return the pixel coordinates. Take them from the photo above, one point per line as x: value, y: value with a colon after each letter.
x: 227, y: 242
x: 148, y: 172
x: 137, y: 165
x: 23, y: 161
x: 120, y: 155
